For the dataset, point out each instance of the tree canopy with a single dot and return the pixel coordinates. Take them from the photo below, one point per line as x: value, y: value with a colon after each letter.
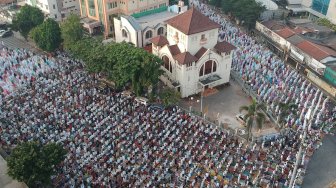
x: 34, y: 164
x: 121, y: 62
x: 72, y: 30
x: 28, y: 18
x: 247, y: 11
x: 170, y: 97
x: 254, y: 116
x: 47, y: 36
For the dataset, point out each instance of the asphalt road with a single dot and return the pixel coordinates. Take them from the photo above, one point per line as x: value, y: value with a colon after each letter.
x: 321, y: 169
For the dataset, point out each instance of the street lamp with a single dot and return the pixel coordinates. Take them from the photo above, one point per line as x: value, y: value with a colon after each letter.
x: 298, y: 156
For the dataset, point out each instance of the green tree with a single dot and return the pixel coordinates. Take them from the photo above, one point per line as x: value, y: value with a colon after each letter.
x: 169, y: 97
x: 246, y: 11
x: 216, y: 3
x: 28, y: 18
x: 72, y: 30
x: 47, y: 36
x: 286, y: 109
x: 34, y: 164
x: 253, y: 117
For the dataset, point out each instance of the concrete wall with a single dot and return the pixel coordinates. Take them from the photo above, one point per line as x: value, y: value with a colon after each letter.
x: 331, y: 14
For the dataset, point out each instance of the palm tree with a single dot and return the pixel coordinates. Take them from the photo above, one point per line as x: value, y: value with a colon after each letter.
x: 286, y: 109
x: 254, y: 116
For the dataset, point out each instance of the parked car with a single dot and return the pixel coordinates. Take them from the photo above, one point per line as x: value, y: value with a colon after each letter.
x: 3, y: 25
x: 126, y: 94
x: 240, y: 118
x: 5, y: 33
x: 142, y: 100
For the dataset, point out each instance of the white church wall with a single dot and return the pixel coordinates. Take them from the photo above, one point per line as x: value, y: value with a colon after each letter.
x: 123, y: 24
x: 194, y: 42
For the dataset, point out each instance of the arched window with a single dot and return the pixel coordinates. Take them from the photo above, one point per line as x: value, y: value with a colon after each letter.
x: 160, y: 31
x: 124, y: 33
x: 149, y: 34
x: 167, y: 64
x: 208, y: 67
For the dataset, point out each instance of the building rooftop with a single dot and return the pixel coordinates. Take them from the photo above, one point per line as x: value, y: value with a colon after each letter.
x: 200, y: 52
x: 318, y: 52
x: 159, y: 40
x: 224, y: 47
x: 273, y: 24
x: 185, y: 58
x: 191, y: 22
x: 285, y: 32
x: 154, y: 19
x: 295, y: 39
x: 174, y: 49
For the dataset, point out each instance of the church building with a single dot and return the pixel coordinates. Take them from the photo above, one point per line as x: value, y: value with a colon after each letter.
x: 193, y: 58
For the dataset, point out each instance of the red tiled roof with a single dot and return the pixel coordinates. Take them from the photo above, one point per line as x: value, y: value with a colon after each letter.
x: 191, y: 22
x: 285, y: 32
x: 224, y: 46
x: 273, y: 25
x: 159, y: 40
x: 174, y: 49
x: 185, y: 57
x: 200, y: 52
x: 318, y: 52
x: 148, y: 48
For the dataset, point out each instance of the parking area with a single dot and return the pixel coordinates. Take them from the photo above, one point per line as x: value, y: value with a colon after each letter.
x: 222, y: 106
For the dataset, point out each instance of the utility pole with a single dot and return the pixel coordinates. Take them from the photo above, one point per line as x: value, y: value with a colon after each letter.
x: 202, y: 100
x: 307, y: 119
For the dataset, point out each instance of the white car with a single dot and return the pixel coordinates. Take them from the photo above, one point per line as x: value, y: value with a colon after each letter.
x: 142, y: 100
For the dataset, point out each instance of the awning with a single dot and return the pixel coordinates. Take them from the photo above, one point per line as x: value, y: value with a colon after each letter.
x: 209, y: 80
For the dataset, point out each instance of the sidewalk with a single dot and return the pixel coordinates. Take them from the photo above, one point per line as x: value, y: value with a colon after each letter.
x: 5, y: 180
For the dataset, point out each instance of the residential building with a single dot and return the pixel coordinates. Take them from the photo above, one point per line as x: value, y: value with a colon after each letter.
x: 140, y: 29
x: 309, y: 48
x: 193, y: 57
x: 99, y: 14
x: 56, y: 9
x: 314, y: 8
x: 7, y: 2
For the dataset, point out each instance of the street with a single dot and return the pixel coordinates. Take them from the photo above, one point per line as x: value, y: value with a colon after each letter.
x: 321, y: 169
x: 15, y: 41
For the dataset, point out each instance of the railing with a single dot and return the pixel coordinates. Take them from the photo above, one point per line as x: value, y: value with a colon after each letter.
x: 149, y: 12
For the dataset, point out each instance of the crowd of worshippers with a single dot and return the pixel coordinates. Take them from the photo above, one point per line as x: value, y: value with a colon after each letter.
x: 271, y: 79
x: 19, y: 67
x: 113, y: 141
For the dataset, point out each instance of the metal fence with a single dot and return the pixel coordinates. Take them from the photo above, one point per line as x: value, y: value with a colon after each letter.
x: 249, y: 91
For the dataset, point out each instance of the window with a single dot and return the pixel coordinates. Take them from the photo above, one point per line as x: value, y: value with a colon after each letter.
x: 54, y: 7
x: 208, y: 67
x: 149, y: 34
x: 160, y: 31
x: 167, y: 64
x: 124, y: 33
x: 55, y: 16
x: 112, y: 5
x: 203, y: 37
x: 46, y: 7
x: 63, y: 15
